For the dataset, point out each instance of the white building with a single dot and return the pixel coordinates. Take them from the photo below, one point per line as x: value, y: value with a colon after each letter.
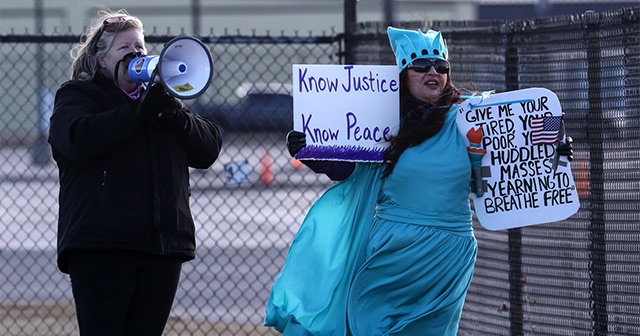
x: 219, y: 16
x: 275, y: 17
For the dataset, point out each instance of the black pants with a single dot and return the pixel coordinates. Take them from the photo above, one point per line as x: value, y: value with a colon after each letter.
x: 118, y: 293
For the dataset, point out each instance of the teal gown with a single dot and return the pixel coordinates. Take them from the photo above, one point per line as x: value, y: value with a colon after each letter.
x: 391, y: 256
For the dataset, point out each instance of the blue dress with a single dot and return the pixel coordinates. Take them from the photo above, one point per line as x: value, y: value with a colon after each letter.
x: 384, y: 257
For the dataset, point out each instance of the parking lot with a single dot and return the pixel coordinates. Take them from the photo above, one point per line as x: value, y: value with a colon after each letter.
x: 244, y: 227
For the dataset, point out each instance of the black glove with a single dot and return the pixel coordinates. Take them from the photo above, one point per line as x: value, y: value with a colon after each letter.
x: 154, y: 101
x: 295, y: 142
x: 565, y: 148
x: 174, y: 118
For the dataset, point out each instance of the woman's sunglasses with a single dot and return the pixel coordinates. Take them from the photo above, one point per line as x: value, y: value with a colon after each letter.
x: 113, y: 20
x: 424, y: 64
x: 110, y: 25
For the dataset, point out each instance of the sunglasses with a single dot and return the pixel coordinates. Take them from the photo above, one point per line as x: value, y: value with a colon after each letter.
x: 113, y: 20
x: 424, y: 64
x: 110, y: 24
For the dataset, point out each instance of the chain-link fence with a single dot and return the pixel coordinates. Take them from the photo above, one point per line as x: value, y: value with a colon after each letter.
x: 580, y: 276
x: 247, y: 206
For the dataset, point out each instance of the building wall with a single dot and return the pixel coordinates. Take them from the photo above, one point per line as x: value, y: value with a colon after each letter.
x: 507, y: 10
x: 218, y: 17
x: 221, y: 17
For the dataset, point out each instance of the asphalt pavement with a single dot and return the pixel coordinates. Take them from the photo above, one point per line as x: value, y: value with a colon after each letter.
x: 245, y: 224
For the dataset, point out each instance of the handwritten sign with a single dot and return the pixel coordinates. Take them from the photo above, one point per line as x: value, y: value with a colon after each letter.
x: 348, y: 112
x: 512, y: 140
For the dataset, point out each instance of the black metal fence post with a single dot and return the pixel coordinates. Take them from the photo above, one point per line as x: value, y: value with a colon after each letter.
x: 515, y: 235
x: 597, y: 230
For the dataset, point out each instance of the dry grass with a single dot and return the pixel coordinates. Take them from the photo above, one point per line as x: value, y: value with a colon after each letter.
x: 58, y: 319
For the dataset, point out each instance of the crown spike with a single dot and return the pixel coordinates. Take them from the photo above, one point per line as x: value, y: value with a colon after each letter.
x: 409, y: 45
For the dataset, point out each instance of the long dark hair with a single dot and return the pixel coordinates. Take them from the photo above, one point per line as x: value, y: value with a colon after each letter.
x: 418, y: 120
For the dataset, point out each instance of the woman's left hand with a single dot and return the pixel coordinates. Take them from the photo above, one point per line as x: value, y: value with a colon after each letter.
x: 174, y: 117
x: 565, y: 148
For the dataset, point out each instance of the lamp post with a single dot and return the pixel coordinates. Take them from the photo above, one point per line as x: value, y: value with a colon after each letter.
x: 40, y: 152
x: 389, y: 11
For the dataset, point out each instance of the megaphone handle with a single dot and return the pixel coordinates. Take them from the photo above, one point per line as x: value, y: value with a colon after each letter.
x: 477, y: 182
x: 144, y: 94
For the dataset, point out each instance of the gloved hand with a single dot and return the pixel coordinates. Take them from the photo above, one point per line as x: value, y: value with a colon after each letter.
x: 154, y: 101
x: 565, y: 148
x: 174, y: 118
x: 295, y: 142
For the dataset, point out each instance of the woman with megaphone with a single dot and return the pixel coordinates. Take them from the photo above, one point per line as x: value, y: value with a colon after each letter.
x: 123, y: 154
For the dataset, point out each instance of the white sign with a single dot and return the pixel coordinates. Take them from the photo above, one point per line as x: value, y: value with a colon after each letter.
x: 348, y: 112
x: 512, y: 140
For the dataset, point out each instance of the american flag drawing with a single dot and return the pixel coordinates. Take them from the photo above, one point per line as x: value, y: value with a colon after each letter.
x: 544, y: 130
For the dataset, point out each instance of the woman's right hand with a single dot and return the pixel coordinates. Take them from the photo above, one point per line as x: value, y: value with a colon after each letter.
x: 295, y: 142
x: 335, y: 170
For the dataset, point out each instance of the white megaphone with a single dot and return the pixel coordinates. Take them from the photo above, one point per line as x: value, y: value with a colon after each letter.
x: 184, y: 67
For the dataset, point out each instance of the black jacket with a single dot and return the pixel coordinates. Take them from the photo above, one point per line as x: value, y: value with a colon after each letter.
x: 124, y: 183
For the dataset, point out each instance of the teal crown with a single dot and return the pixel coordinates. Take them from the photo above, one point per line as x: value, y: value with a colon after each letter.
x: 410, y: 45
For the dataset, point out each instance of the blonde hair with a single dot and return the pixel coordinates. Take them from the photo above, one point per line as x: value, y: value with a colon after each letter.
x: 97, y: 41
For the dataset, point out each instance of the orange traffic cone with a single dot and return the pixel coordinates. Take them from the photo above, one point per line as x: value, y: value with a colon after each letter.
x: 266, y: 173
x: 296, y: 163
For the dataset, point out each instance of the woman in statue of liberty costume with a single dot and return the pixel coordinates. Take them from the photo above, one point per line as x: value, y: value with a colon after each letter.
x: 389, y: 250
